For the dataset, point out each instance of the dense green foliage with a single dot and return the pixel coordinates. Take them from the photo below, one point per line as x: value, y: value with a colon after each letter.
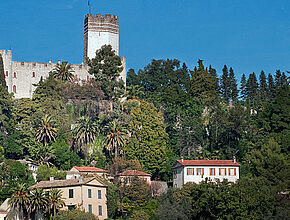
x: 167, y: 111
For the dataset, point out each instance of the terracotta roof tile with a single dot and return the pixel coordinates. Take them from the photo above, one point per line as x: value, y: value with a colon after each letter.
x: 208, y: 163
x: 89, y: 169
x: 133, y: 173
x: 62, y: 183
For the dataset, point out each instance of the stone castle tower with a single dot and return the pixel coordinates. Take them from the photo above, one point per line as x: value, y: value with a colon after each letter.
x: 98, y: 31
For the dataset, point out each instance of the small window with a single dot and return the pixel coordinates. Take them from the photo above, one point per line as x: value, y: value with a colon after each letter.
x: 6, y: 73
x: 33, y: 74
x: 14, y: 89
x: 71, y: 193
x: 90, y: 208
x: 47, y: 194
x: 71, y: 207
x: 189, y: 171
x: 232, y: 172
x: 89, y: 193
x: 99, y: 194
x: 199, y: 171
x: 212, y: 171
x: 100, y: 210
x: 88, y: 78
x: 14, y: 75
x: 222, y: 171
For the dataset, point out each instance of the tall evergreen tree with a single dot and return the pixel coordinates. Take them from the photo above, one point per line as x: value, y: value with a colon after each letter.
x: 252, y: 86
x: 243, y: 86
x: 203, y: 84
x: 224, y: 85
x: 284, y: 79
x: 233, y: 87
x: 212, y: 71
x: 278, y: 79
x: 271, y: 86
x: 263, y: 86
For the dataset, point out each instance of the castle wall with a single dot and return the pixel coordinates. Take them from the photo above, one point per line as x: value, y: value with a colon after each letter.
x: 98, y: 31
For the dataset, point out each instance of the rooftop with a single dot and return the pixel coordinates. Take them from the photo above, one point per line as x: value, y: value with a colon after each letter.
x: 208, y: 163
x: 63, y: 183
x: 90, y: 169
x: 133, y: 173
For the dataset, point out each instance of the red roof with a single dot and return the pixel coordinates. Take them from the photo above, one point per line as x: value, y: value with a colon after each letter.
x: 133, y: 173
x: 89, y: 169
x: 208, y: 163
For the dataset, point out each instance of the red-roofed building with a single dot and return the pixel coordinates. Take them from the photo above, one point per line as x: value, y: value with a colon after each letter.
x: 76, y: 172
x: 195, y: 171
x: 126, y: 176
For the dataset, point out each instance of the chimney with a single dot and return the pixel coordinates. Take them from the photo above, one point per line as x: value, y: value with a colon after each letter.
x: 181, y: 159
x: 51, y: 178
x: 49, y: 61
x: 58, y: 61
x: 234, y: 159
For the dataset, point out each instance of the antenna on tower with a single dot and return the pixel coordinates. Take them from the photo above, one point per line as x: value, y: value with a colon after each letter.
x: 89, y: 3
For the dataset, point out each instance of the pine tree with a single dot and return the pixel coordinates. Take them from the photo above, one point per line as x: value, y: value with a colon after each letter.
x: 284, y: 79
x: 263, y: 86
x: 271, y: 86
x: 278, y: 79
x: 212, y: 71
x: 224, y: 85
x: 252, y: 86
x: 233, y: 87
x: 243, y: 87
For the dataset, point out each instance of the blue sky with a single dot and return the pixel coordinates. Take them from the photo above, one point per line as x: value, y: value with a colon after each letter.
x: 248, y: 35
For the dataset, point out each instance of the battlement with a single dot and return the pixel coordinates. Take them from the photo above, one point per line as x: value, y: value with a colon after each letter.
x: 107, y: 18
x: 4, y: 52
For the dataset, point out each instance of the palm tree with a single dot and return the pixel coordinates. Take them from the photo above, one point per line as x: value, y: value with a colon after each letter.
x: 38, y: 202
x: 85, y: 132
x: 46, y: 133
x: 55, y: 200
x: 63, y: 72
x: 116, y: 138
x: 19, y: 202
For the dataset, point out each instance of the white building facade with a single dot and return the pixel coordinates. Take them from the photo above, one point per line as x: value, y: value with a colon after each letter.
x: 196, y: 171
x: 98, y: 31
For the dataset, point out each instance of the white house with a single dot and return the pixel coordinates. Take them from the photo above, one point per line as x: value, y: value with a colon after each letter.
x: 195, y: 171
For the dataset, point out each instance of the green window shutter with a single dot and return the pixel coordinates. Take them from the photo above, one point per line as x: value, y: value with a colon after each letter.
x: 100, y: 210
x: 71, y: 193
x: 89, y: 193
x: 90, y: 208
x: 99, y: 194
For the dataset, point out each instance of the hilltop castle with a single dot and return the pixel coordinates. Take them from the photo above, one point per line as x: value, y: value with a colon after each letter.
x: 98, y: 31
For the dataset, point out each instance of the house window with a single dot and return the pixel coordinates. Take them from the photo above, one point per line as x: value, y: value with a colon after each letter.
x: 14, y: 89
x: 88, y: 78
x: 33, y: 74
x: 99, y: 194
x: 212, y: 171
x: 100, y: 210
x: 71, y: 207
x: 90, y: 208
x: 14, y: 75
x: 199, y: 171
x: 190, y: 171
x: 232, y: 171
x: 222, y: 171
x: 71, y: 193
x: 6, y: 73
x: 89, y: 193
x: 46, y: 194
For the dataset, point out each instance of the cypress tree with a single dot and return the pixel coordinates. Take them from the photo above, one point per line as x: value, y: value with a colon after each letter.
x: 5, y: 105
x: 243, y: 87
x: 233, y: 87
x: 224, y: 85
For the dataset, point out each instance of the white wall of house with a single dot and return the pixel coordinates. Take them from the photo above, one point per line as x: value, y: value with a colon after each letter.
x: 197, y: 174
